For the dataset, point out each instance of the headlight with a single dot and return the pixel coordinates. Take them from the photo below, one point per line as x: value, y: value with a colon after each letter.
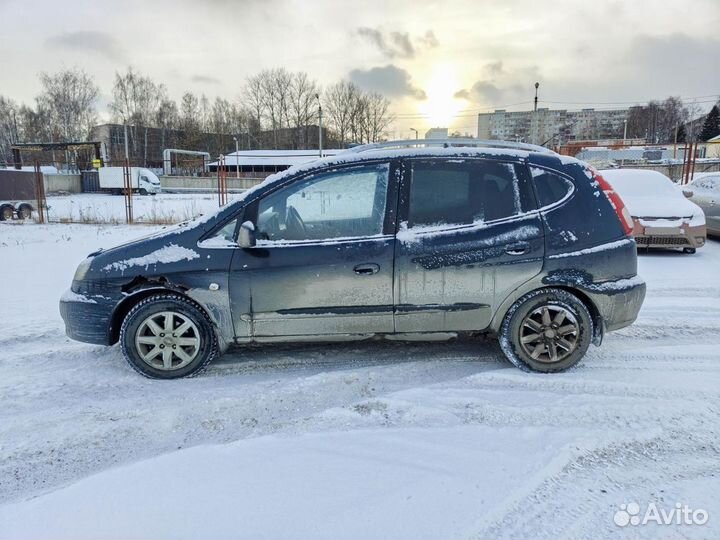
x: 82, y: 269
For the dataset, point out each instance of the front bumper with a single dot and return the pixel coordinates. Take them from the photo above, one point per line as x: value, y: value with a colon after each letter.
x: 86, y: 319
x: 683, y: 236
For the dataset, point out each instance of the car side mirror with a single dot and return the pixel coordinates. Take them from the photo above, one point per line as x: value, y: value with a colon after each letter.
x: 246, y: 236
x: 687, y: 193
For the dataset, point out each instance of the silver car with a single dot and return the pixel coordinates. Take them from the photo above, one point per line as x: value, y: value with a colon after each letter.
x: 705, y: 192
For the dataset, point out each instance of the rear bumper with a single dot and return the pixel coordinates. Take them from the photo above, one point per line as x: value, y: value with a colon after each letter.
x: 618, y: 302
x: 86, y: 319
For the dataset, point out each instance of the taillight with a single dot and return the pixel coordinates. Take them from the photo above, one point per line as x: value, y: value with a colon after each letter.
x: 616, y: 201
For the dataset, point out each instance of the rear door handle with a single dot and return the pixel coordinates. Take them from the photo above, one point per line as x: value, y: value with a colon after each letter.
x: 518, y: 248
x: 367, y: 269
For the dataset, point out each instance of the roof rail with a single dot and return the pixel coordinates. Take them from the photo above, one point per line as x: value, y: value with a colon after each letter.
x: 450, y: 142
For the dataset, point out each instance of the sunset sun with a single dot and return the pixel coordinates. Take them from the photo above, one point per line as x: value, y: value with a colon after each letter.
x: 440, y: 107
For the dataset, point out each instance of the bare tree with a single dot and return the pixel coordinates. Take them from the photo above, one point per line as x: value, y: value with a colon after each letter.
x: 190, y: 121
x: 69, y: 97
x: 302, y: 108
x: 340, y: 101
x: 9, y: 127
x: 376, y: 117
x: 136, y: 101
x: 657, y: 122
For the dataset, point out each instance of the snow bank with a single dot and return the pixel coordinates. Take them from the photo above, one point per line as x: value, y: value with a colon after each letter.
x: 363, y: 484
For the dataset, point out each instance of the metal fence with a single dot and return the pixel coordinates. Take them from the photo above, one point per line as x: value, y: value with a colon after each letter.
x: 41, y: 168
x: 680, y: 162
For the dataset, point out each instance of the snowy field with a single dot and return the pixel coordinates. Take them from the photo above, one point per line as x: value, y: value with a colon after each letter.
x: 106, y: 208
x: 360, y: 441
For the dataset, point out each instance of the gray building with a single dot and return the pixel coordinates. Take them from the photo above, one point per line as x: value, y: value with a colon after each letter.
x: 436, y: 133
x: 548, y: 126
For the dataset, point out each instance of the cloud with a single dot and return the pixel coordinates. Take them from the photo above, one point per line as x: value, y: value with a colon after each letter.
x: 88, y: 41
x: 389, y: 80
x: 403, y: 47
x: 429, y: 40
x: 493, y: 69
x: 205, y: 79
x: 397, y: 44
x: 499, y: 87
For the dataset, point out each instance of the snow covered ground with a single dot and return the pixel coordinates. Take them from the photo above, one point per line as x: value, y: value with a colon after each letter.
x: 106, y: 208
x: 358, y: 441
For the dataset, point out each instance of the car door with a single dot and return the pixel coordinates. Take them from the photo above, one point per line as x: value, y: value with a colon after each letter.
x: 324, y: 255
x: 468, y: 236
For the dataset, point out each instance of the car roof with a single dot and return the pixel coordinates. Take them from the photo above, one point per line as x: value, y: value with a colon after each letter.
x: 433, y: 148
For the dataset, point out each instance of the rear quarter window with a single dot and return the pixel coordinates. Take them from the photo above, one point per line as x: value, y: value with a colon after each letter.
x: 550, y: 187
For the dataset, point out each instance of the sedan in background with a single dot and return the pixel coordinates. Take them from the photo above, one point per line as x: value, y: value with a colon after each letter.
x: 663, y: 216
x: 705, y: 192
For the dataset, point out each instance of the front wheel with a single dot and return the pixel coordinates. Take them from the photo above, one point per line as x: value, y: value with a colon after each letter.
x: 547, y: 330
x: 168, y: 336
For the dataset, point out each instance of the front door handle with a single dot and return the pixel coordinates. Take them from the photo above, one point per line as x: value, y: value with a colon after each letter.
x: 367, y: 269
x: 518, y: 248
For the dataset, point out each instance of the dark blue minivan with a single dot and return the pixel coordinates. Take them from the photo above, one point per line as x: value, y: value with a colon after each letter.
x: 415, y: 239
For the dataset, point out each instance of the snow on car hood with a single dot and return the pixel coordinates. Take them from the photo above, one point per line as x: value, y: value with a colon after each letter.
x: 649, y: 194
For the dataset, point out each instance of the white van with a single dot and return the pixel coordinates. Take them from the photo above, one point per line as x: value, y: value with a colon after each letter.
x: 143, y: 181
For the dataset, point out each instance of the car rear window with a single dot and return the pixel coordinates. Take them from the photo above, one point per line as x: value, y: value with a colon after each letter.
x: 463, y: 192
x: 550, y: 187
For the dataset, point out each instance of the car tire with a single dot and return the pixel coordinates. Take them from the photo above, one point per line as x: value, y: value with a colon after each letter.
x: 24, y: 211
x: 168, y: 336
x: 143, y: 191
x: 7, y: 212
x: 546, y: 331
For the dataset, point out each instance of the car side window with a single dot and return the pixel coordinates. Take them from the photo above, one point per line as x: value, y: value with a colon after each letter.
x: 461, y: 192
x: 550, y: 187
x: 343, y: 203
x: 222, y: 237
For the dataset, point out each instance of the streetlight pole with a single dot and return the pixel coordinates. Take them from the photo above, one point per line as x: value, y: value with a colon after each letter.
x: 237, y: 158
x: 416, y: 133
x: 320, y: 141
x: 537, y: 85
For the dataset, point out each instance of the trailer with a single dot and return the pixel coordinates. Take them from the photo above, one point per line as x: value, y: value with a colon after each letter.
x: 143, y: 181
x: 17, y: 194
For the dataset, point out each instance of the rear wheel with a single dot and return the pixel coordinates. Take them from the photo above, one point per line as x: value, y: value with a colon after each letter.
x: 168, y: 336
x: 24, y: 211
x: 547, y: 330
x: 6, y: 212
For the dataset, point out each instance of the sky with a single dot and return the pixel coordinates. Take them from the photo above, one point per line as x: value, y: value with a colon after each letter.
x: 440, y: 63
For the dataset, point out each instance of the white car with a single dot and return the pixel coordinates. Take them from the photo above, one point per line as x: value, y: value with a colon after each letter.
x: 663, y: 216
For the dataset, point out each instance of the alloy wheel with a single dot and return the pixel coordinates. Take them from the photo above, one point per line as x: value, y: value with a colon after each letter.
x: 167, y: 340
x: 549, y: 334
